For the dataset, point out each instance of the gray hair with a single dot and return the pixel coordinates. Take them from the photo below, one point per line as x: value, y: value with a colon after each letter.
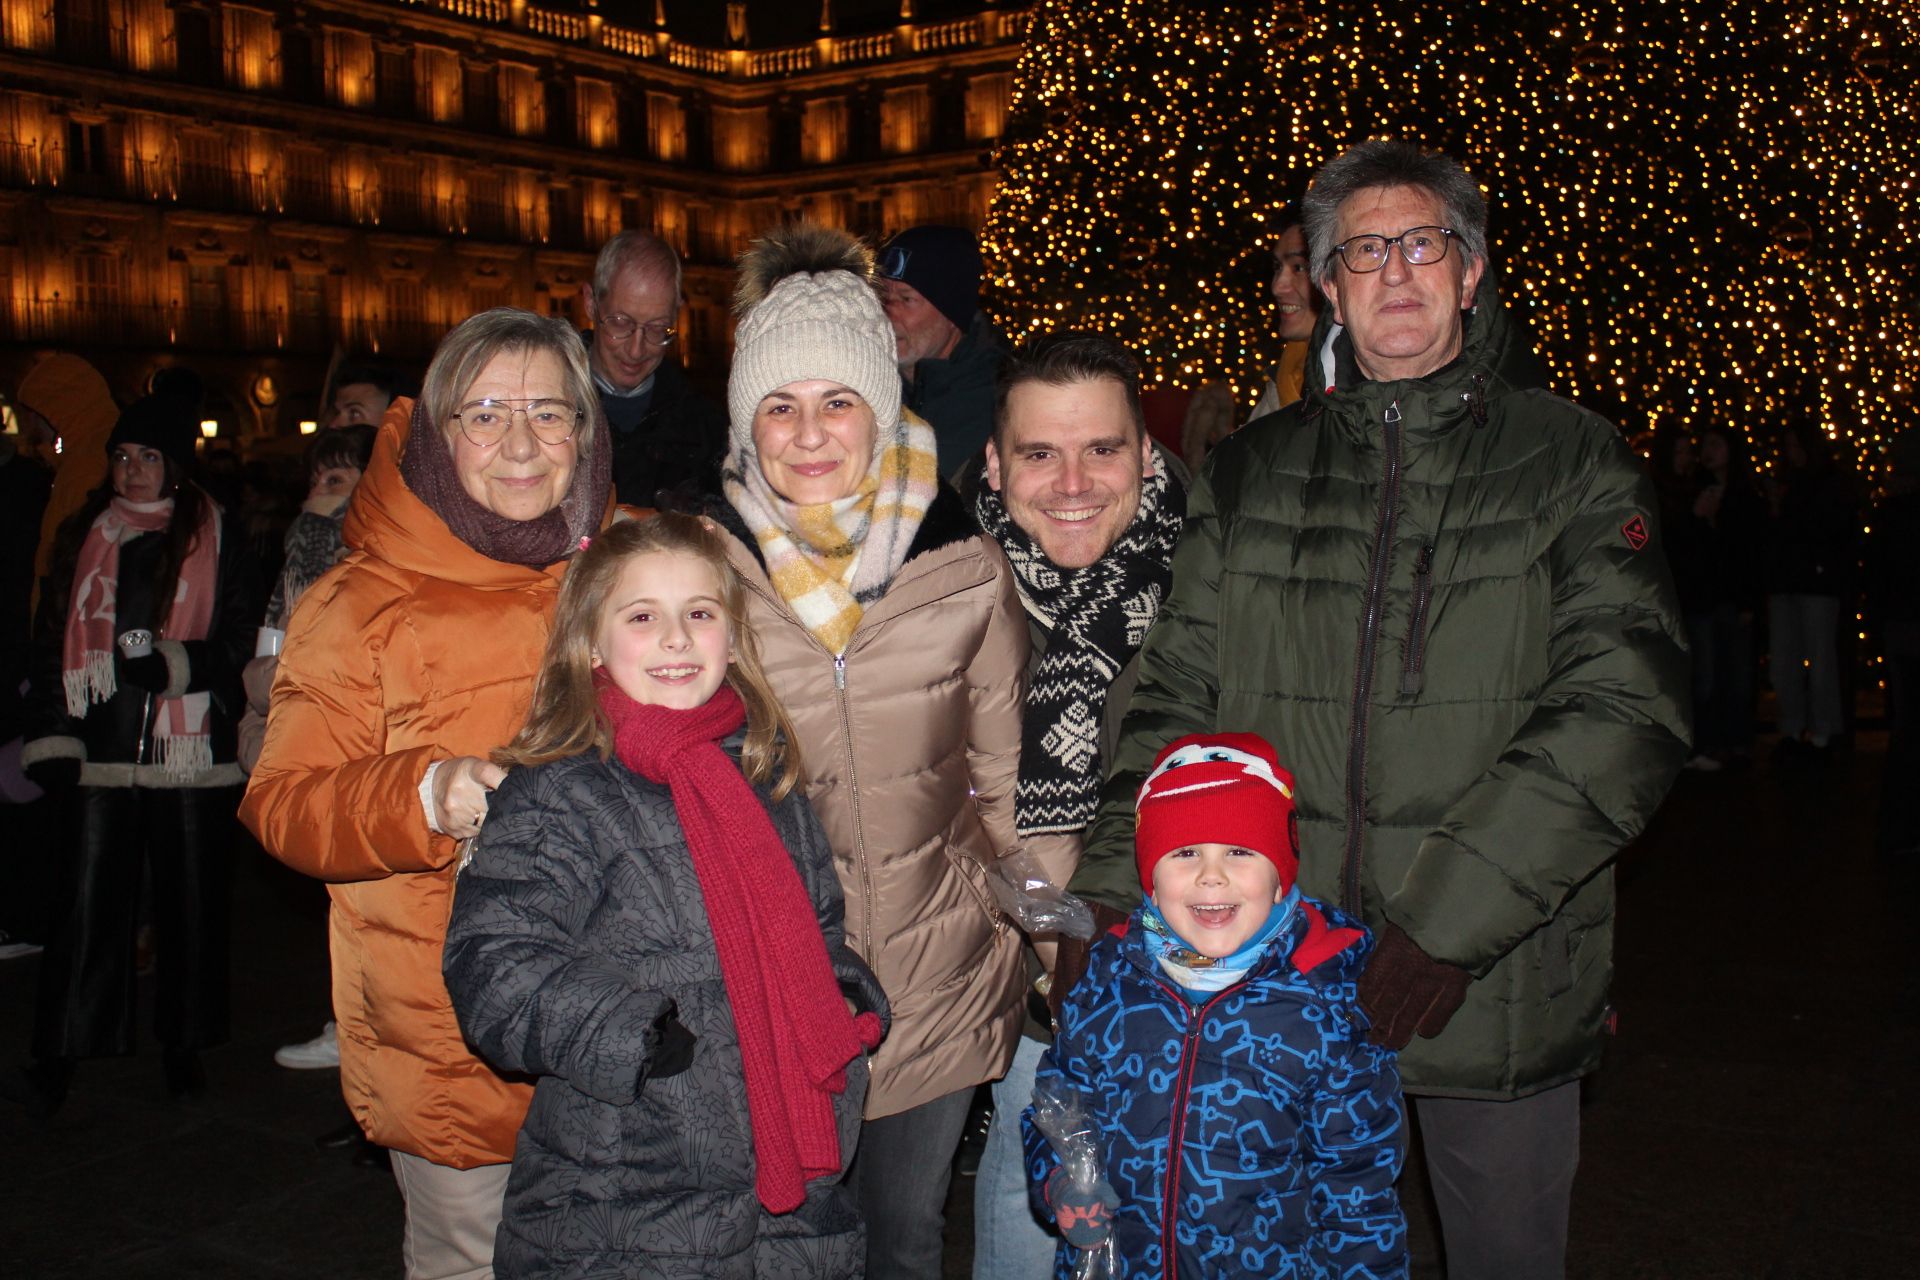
x: 478, y: 339
x: 1385, y: 162
x: 634, y: 251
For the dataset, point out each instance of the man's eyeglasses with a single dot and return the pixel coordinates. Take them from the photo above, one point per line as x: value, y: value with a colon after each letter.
x: 620, y: 328
x: 1420, y: 247
x: 485, y: 422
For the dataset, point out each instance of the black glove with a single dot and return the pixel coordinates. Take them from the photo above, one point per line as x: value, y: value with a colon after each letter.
x: 1070, y: 961
x: 672, y: 1046
x: 148, y: 671
x: 60, y: 773
x: 1406, y: 992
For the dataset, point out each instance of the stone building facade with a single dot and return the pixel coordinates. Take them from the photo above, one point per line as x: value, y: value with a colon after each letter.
x: 250, y: 188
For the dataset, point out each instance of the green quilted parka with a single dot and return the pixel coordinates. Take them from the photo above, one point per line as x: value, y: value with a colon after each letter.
x: 1445, y: 603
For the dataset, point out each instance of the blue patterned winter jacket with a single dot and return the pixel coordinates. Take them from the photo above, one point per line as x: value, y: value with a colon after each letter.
x: 1288, y: 1123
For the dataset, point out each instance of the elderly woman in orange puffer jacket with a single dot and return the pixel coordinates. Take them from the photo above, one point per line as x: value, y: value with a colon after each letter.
x: 403, y: 669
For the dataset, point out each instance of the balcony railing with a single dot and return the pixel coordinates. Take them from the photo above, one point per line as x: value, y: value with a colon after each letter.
x: 220, y: 189
x: 89, y: 323
x: 99, y: 43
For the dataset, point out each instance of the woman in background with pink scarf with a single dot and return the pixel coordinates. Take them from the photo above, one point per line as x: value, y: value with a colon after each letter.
x: 146, y: 619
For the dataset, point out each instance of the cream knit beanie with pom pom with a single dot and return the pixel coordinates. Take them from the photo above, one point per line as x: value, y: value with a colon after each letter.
x: 808, y: 311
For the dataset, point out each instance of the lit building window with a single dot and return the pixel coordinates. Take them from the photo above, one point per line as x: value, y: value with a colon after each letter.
x: 439, y: 71
x: 27, y: 24
x: 596, y: 121
x: 148, y: 25
x: 350, y: 68
x: 987, y: 106
x: 203, y: 168
x: 823, y: 130
x: 666, y: 126
x: 906, y: 118
x: 523, y: 106
x: 252, y: 48
x: 406, y: 302
x: 905, y: 206
x: 740, y: 139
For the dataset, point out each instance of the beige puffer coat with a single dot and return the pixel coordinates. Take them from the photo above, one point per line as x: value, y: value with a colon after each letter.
x: 911, y: 743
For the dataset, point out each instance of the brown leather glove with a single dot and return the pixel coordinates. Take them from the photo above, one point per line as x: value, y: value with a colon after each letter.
x: 1406, y: 992
x: 1070, y: 963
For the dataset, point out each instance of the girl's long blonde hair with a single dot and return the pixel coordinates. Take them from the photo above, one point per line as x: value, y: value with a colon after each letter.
x: 566, y: 719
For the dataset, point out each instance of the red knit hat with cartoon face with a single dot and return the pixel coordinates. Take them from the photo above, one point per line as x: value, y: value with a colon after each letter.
x: 1217, y: 788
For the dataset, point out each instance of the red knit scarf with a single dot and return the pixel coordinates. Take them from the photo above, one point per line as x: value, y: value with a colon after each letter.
x: 796, y: 1036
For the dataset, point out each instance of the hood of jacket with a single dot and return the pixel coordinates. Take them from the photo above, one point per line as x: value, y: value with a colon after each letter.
x: 389, y: 522
x: 71, y: 394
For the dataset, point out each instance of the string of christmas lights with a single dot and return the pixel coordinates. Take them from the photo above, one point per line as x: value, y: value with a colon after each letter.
x: 1704, y: 211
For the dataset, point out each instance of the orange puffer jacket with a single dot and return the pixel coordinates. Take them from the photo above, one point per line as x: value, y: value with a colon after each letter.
x: 412, y: 649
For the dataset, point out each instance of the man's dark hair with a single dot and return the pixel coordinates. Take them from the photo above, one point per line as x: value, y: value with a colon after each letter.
x: 384, y: 377
x: 1060, y: 359
x: 349, y: 446
x: 1284, y: 221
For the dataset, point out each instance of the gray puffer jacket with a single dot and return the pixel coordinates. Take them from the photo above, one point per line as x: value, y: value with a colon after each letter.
x: 576, y: 922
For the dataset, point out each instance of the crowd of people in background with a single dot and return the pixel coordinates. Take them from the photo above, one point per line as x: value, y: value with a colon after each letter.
x: 685, y: 770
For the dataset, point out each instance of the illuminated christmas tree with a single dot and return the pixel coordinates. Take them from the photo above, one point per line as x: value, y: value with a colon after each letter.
x: 1705, y: 211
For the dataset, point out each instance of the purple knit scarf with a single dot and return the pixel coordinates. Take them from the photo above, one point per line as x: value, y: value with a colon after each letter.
x: 427, y: 467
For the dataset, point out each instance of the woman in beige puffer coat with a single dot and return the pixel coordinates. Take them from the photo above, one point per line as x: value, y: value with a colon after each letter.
x: 889, y: 626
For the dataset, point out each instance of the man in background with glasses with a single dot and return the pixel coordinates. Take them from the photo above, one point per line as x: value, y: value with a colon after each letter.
x: 1437, y: 589
x: 667, y: 437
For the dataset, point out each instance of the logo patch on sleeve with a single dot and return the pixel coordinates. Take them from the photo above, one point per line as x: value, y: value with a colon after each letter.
x: 1635, y: 532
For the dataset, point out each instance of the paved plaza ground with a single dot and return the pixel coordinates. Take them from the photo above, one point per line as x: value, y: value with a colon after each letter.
x: 1755, y: 1120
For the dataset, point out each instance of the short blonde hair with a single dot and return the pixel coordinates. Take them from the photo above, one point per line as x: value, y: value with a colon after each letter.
x: 473, y: 343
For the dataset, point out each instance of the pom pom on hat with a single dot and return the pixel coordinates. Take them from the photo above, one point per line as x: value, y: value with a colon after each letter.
x: 808, y: 311
x: 1217, y: 788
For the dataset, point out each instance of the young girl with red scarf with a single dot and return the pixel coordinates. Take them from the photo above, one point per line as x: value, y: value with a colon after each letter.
x: 651, y: 925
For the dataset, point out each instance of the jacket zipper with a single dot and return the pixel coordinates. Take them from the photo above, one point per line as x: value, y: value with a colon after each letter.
x: 853, y: 793
x: 1413, y: 675
x: 1377, y: 566
x: 1177, y: 1129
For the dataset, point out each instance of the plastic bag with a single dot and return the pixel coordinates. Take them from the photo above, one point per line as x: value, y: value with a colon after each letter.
x: 1060, y: 1113
x: 1034, y: 902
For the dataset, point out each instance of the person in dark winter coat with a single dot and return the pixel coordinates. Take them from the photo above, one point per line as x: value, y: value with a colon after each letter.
x: 1246, y: 1126
x: 1810, y: 570
x: 1440, y: 587
x: 650, y: 923
x: 667, y: 437
x: 146, y: 618
x: 947, y: 349
x: 1713, y: 526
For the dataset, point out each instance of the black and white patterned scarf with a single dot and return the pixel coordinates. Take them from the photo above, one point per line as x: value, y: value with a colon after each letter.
x: 1095, y: 618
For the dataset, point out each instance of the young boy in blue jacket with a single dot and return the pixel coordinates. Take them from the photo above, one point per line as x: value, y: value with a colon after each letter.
x: 1246, y: 1126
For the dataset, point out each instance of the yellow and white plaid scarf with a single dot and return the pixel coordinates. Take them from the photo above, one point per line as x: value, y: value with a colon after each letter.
x: 830, y: 560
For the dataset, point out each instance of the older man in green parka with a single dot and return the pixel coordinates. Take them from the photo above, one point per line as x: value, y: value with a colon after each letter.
x: 1438, y: 590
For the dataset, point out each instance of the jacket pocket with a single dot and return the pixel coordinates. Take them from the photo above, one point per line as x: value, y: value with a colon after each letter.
x: 973, y: 878
x: 1556, y: 956
x: 1413, y: 661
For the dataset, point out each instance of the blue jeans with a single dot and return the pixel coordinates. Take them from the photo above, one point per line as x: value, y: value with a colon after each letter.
x: 1009, y: 1243
x: 899, y: 1179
